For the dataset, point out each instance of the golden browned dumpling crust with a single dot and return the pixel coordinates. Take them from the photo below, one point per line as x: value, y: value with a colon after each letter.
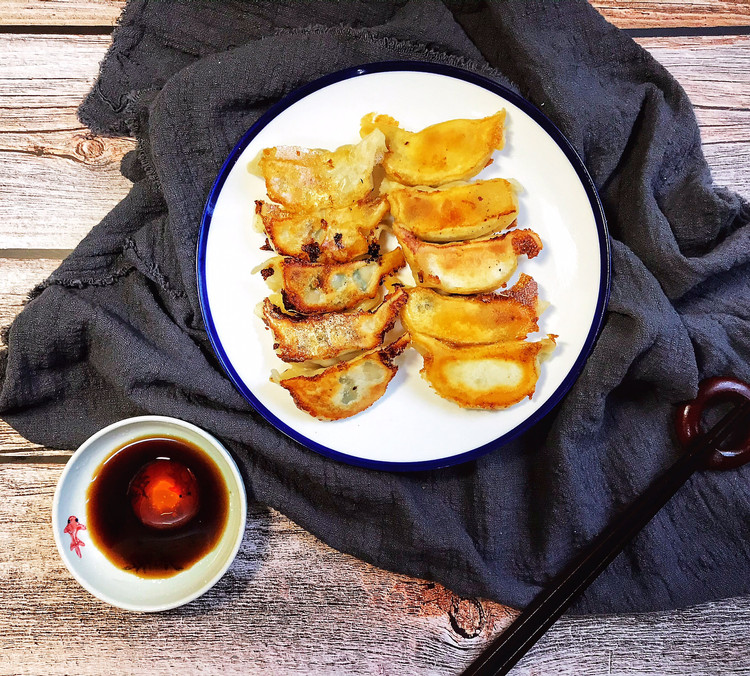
x: 348, y: 388
x: 455, y: 213
x: 468, y: 320
x: 314, y: 288
x: 449, y: 151
x: 325, y: 215
x: 304, y: 179
x: 526, y: 291
x: 491, y: 376
x: 324, y: 235
x: 474, y: 266
x: 327, y: 336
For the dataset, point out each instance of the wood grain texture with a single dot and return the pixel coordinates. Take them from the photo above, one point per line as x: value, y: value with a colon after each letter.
x: 674, y: 13
x: 14, y: 448
x: 715, y: 73
x: 289, y: 604
x: 700, y: 641
x: 49, y: 160
x: 17, y: 278
x: 623, y: 13
x: 60, y: 12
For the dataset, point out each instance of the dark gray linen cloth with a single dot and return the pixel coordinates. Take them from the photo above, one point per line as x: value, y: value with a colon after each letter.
x: 116, y: 331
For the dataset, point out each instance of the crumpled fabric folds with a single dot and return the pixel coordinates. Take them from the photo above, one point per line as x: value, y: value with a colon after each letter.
x: 117, y: 330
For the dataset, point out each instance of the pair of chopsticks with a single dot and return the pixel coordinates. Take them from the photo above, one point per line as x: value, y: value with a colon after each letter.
x: 503, y: 653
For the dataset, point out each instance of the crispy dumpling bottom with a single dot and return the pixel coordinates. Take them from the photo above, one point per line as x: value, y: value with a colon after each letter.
x: 476, y: 319
x: 448, y: 151
x: 483, y: 376
x: 324, y: 235
x: 457, y: 212
x: 314, y: 288
x: 474, y: 266
x: 347, y: 388
x: 304, y: 179
x: 328, y: 336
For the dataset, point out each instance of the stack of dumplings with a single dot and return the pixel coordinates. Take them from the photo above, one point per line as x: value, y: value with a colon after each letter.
x: 337, y: 299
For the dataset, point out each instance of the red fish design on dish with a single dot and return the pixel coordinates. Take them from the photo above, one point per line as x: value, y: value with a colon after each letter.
x: 72, y: 529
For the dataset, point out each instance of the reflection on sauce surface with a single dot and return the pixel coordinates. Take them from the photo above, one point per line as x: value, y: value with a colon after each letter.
x: 157, y: 550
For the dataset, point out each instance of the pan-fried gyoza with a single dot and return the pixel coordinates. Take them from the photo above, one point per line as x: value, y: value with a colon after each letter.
x: 325, y: 216
x: 314, y: 288
x: 323, y: 235
x: 327, y: 336
x: 448, y: 151
x: 491, y: 376
x: 344, y: 389
x: 457, y: 212
x: 477, y: 319
x: 304, y: 179
x: 474, y: 266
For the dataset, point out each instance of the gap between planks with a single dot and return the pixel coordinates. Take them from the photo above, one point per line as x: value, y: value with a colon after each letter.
x: 30, y: 254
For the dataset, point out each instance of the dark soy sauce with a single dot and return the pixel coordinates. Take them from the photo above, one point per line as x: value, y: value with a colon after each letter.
x: 141, y: 549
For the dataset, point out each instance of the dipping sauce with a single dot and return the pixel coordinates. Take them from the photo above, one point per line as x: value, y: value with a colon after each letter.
x: 156, y: 506
x: 164, y: 494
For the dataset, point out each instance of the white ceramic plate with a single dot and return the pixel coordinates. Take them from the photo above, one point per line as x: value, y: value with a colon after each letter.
x: 410, y: 427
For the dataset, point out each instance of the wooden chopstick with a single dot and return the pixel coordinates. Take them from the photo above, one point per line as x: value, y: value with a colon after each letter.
x: 503, y: 653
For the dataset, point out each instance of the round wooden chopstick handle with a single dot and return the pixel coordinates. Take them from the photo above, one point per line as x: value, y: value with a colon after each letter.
x: 714, y: 391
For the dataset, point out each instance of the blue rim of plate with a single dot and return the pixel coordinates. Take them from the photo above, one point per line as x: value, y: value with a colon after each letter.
x: 503, y: 92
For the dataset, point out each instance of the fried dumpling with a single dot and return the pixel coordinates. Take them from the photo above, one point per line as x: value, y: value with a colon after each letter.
x: 304, y: 179
x: 347, y: 388
x: 448, y: 151
x: 324, y: 235
x: 467, y: 320
x: 455, y: 213
x: 474, y: 266
x: 313, y: 288
x: 483, y: 376
x: 326, y: 336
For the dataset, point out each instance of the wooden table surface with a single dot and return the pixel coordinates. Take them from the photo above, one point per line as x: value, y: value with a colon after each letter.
x: 289, y: 603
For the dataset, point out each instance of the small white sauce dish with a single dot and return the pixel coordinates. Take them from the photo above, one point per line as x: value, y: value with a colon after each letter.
x: 93, y: 570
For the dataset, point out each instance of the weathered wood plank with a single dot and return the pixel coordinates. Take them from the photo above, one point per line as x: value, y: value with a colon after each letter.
x: 60, y: 12
x: 623, y: 13
x: 58, y: 178
x: 14, y: 448
x: 54, y: 201
x: 282, y: 581
x: 43, y: 79
x: 715, y: 72
x: 17, y: 278
x: 257, y: 618
x: 674, y: 13
x: 290, y: 604
x: 654, y: 644
x: 49, y: 161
